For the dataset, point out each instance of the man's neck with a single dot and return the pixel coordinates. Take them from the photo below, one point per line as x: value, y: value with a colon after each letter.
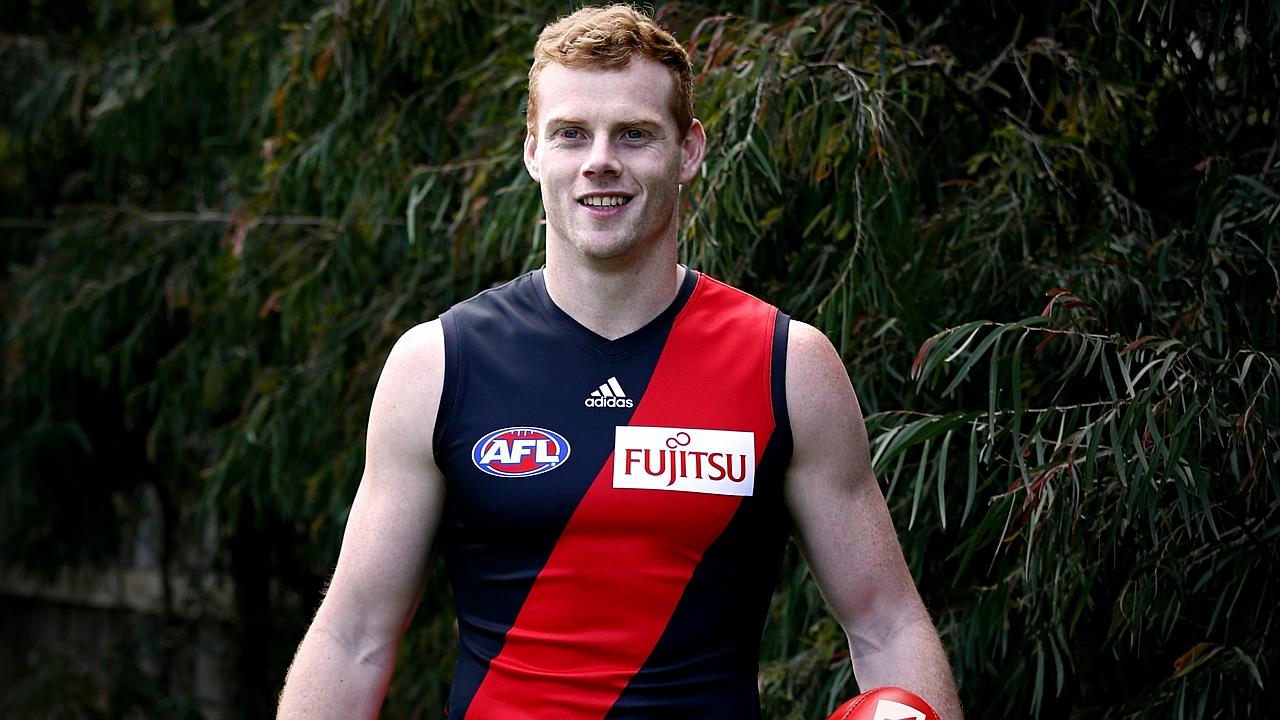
x: 614, y: 300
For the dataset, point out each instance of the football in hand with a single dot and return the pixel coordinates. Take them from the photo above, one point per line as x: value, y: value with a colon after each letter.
x: 885, y: 703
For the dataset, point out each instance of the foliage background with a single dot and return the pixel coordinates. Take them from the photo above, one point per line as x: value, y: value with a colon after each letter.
x: 1044, y: 239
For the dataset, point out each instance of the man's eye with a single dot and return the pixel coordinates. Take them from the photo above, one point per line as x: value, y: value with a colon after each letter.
x: 570, y: 133
x: 634, y: 134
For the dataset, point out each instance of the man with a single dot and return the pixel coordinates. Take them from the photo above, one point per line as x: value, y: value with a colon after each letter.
x: 611, y: 450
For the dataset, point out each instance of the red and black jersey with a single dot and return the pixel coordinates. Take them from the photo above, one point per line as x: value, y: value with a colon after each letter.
x: 614, y: 518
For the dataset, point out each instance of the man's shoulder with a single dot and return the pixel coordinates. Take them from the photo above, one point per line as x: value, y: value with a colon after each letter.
x: 814, y: 365
x: 419, y: 348
x: 807, y: 340
x: 408, y: 391
x: 820, y: 396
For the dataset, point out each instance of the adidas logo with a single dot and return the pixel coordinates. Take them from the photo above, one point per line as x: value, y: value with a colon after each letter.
x: 609, y: 395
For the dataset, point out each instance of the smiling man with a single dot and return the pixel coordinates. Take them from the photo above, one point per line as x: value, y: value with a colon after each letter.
x: 611, y: 451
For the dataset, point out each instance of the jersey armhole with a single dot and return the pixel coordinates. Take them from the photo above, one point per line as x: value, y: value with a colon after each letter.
x: 778, y: 382
x: 449, y: 391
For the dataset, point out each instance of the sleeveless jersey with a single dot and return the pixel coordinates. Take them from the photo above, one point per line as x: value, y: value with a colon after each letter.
x: 614, y: 519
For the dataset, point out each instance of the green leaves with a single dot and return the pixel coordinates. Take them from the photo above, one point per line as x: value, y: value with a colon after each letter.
x: 1043, y: 239
x: 1130, y: 474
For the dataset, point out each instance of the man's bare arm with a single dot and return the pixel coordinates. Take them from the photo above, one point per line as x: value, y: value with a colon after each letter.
x: 846, y: 535
x: 344, y: 663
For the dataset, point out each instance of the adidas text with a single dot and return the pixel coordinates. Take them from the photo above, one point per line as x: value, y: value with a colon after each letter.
x: 610, y: 402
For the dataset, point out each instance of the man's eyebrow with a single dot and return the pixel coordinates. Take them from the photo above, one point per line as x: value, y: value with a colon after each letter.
x: 559, y: 121
x: 565, y: 120
x: 640, y: 122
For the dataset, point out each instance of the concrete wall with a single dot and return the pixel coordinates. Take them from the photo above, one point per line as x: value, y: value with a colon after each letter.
x: 103, y: 641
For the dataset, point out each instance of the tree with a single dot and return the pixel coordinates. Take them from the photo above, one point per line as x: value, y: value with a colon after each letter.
x: 1043, y: 239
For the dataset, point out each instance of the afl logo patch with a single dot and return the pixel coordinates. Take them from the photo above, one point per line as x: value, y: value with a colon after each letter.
x: 520, y: 451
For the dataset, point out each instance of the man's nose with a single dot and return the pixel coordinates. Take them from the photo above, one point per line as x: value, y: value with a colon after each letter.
x: 602, y: 158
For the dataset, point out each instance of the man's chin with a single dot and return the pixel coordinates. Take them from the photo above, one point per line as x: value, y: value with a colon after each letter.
x: 618, y: 247
x: 605, y: 247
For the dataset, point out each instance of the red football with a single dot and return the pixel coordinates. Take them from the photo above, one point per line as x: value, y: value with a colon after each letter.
x: 885, y: 703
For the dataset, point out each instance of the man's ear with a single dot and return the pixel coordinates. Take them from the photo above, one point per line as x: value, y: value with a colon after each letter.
x: 692, y: 149
x: 530, y: 156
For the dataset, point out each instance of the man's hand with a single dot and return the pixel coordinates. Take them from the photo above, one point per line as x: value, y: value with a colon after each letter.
x: 886, y: 703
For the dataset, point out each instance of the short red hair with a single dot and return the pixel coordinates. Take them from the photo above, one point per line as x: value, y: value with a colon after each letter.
x: 608, y: 38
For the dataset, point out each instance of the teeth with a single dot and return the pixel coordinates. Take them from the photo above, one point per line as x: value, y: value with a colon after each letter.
x: 609, y: 201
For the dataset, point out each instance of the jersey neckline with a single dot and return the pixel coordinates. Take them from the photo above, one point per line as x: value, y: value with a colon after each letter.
x: 653, y: 331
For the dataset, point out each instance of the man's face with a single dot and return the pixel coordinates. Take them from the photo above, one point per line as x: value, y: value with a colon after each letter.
x: 609, y: 157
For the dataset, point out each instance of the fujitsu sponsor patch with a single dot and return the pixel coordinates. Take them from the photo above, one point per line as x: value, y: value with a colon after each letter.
x: 520, y: 451
x: 719, y: 462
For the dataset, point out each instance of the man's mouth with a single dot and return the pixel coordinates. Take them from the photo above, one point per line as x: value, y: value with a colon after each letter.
x: 604, y: 201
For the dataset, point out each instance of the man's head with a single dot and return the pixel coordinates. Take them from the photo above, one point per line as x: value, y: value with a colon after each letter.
x: 609, y: 38
x: 611, y: 135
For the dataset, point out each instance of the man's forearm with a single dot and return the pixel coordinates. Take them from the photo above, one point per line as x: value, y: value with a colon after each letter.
x: 333, y: 678
x: 911, y: 657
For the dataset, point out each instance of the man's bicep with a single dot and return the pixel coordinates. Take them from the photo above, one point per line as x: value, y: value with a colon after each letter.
x: 396, y: 511
x: 841, y: 522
